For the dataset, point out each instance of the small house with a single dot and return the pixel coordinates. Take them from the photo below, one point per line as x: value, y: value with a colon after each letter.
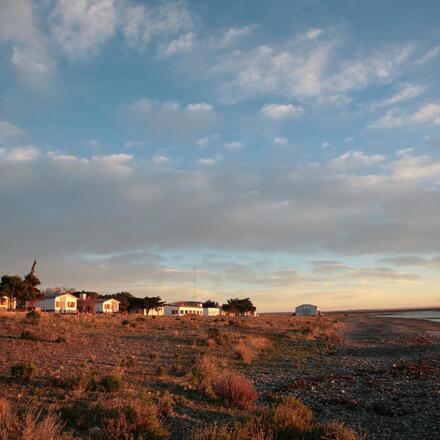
x: 6, y: 303
x: 107, y: 305
x: 58, y: 303
x: 211, y: 311
x: 307, y: 310
x: 179, y: 309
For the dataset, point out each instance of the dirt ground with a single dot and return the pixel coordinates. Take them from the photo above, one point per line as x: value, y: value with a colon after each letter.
x: 380, y: 376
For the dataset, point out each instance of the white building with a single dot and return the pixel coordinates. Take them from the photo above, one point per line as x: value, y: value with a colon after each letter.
x: 211, y: 311
x: 59, y: 303
x: 307, y: 310
x: 154, y: 312
x: 182, y: 310
x: 7, y: 304
x: 107, y: 305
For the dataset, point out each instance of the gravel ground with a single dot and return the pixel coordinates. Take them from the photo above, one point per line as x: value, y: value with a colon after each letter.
x: 384, y: 379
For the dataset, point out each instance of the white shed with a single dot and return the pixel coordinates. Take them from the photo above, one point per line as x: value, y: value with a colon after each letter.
x: 179, y: 310
x: 307, y: 310
x: 107, y: 305
x: 211, y: 311
x: 58, y: 302
x: 6, y: 303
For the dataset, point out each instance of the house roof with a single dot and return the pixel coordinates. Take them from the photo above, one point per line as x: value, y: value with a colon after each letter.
x: 103, y: 300
x: 56, y: 295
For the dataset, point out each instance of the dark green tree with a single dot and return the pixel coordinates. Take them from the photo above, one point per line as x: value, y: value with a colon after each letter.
x: 238, y: 306
x: 12, y: 287
x: 210, y: 304
x: 153, y: 303
x: 124, y: 299
x: 31, y: 292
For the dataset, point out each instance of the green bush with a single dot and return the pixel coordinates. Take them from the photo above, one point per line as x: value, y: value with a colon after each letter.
x: 111, y: 383
x: 125, y: 322
x: 33, y: 317
x: 22, y: 371
x: 60, y: 339
x: 31, y: 336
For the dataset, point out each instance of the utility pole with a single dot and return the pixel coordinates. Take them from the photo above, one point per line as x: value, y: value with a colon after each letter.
x: 195, y: 283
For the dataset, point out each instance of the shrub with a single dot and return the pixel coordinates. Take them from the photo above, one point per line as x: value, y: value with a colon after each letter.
x: 153, y: 356
x: 235, y: 390
x: 110, y: 383
x: 60, y: 339
x: 33, y: 317
x: 22, y: 371
x: 204, y: 372
x: 31, y: 336
x: 287, y: 419
x: 165, y: 405
x: 245, y: 353
x: 125, y: 322
x: 160, y: 371
x: 32, y: 425
x: 339, y: 431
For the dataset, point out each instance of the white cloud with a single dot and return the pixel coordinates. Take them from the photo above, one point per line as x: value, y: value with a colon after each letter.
x: 306, y: 67
x: 135, y: 144
x: 160, y: 159
x: 206, y: 161
x: 19, y: 154
x: 9, y: 131
x: 231, y: 36
x: 356, y: 159
x: 142, y: 24
x: 429, y: 55
x: 426, y: 114
x: 184, y: 43
x: 409, y: 91
x: 82, y: 27
x: 30, y: 48
x: 169, y: 120
x: 117, y: 163
x: 199, y: 107
x: 280, y: 141
x: 281, y: 111
x: 234, y: 145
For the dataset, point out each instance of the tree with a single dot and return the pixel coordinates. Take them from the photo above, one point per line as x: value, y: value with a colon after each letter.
x: 12, y: 287
x: 153, y: 303
x: 30, y: 292
x: 210, y: 304
x: 239, y: 306
x: 124, y: 299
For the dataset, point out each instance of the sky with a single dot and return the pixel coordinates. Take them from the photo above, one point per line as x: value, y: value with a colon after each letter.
x: 286, y: 151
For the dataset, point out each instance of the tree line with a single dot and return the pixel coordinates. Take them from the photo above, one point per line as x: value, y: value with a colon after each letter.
x: 25, y: 290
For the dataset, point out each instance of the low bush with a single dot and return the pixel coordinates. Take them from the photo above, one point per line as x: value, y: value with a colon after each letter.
x: 60, y: 339
x: 125, y: 322
x: 30, y: 336
x: 205, y: 370
x: 165, y: 405
x: 22, y: 371
x: 30, y: 425
x: 114, y: 421
x: 110, y: 383
x: 235, y: 390
x: 33, y: 317
x: 245, y: 353
x: 287, y: 419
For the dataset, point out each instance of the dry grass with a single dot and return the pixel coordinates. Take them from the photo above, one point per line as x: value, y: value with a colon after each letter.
x: 235, y: 390
x: 174, y: 372
x: 32, y: 425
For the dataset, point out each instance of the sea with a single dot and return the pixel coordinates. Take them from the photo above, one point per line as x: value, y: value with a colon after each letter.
x: 427, y: 315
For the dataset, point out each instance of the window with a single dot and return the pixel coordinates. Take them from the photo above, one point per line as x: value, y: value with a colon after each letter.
x: 3, y: 301
x: 107, y: 306
x: 71, y: 304
x: 57, y: 304
x: 174, y: 312
x: 181, y: 312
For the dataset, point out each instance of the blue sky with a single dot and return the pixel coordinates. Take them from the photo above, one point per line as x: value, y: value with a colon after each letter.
x: 289, y: 149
